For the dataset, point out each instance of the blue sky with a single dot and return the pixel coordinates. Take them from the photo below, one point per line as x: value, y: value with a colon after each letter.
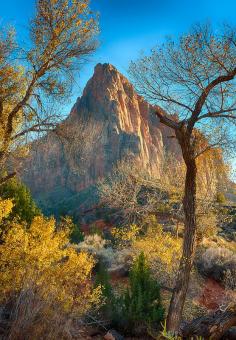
x: 129, y: 26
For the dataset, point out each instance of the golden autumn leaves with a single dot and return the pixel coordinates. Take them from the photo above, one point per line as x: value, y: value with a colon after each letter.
x: 41, y: 258
x: 31, y: 77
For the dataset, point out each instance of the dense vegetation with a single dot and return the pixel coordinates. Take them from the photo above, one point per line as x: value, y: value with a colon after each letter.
x: 44, y: 278
x: 168, y: 235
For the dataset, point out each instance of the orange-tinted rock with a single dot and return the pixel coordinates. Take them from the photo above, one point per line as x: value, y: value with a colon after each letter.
x: 128, y: 125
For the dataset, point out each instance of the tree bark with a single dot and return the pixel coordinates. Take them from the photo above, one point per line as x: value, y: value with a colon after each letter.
x: 212, y: 326
x: 186, y: 262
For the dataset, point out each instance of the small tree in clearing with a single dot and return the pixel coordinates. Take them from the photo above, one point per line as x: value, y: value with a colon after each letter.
x: 141, y: 301
x: 194, y: 78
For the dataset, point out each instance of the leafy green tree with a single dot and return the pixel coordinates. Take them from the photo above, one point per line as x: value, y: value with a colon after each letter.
x: 137, y: 308
x: 24, y: 206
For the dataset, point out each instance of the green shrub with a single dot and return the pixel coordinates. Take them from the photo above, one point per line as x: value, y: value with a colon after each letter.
x: 138, y: 308
x: 24, y: 206
x: 142, y: 301
x: 102, y: 279
x: 76, y: 235
x: 220, y: 198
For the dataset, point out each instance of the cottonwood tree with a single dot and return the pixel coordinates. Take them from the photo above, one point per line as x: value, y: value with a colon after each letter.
x: 195, y: 78
x: 128, y: 191
x: 134, y: 193
x: 62, y: 36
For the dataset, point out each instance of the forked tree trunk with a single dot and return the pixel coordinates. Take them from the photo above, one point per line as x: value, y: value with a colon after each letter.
x: 186, y: 262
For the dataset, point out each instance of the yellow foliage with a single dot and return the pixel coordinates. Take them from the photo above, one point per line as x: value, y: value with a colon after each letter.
x: 161, y: 248
x: 5, y: 208
x: 62, y: 33
x: 127, y: 234
x: 41, y: 257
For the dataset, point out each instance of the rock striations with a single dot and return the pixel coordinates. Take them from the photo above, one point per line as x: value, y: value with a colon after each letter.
x: 120, y: 123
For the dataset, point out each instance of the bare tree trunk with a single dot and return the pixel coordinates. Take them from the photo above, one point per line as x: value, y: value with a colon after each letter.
x: 182, y: 281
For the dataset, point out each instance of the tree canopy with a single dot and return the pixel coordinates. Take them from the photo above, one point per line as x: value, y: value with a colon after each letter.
x: 61, y: 38
x: 194, y: 78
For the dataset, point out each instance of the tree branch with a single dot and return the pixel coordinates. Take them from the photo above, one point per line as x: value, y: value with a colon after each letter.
x: 7, y: 178
x: 161, y: 114
x: 35, y: 128
x: 219, y: 114
x: 202, y: 99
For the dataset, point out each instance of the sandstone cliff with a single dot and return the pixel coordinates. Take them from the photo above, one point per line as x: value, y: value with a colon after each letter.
x: 120, y: 123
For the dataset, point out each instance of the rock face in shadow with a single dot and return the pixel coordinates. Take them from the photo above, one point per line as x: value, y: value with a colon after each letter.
x: 63, y: 167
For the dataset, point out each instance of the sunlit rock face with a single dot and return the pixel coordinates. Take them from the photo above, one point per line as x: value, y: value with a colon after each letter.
x: 125, y: 125
x: 129, y: 123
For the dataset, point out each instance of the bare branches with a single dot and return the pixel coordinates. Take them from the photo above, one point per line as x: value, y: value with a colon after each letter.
x: 124, y: 191
x: 204, y: 95
x: 220, y: 114
x: 131, y: 192
x: 194, y: 78
x: 62, y: 35
x: 43, y: 126
x: 80, y: 141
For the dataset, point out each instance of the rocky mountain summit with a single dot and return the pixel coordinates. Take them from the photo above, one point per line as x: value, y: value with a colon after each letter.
x: 108, y: 122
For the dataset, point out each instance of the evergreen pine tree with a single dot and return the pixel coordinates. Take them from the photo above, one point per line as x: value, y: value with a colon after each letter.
x: 142, y: 302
